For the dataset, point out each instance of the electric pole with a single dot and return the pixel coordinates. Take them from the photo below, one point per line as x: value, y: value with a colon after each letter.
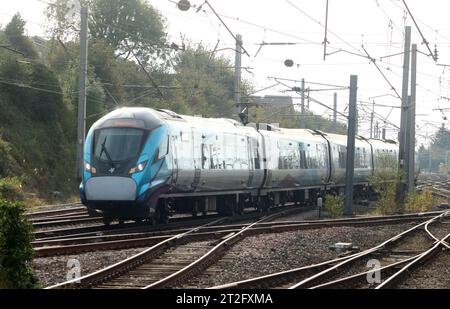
x: 81, y: 133
x: 351, y: 134
x: 371, y: 119
x: 237, y: 78
x: 403, y: 164
x: 377, y: 130
x: 412, y: 121
x: 403, y: 118
x: 303, y: 96
x: 335, y: 111
x: 309, y: 99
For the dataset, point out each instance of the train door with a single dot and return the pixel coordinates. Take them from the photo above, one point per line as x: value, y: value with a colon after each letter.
x: 185, y: 159
x: 197, y: 164
x: 174, y: 151
x: 251, y: 162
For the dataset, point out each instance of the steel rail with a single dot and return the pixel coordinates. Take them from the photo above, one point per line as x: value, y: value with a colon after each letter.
x: 414, y: 263
x: 207, y: 259
x: 55, y: 211
x: 134, y: 261
x: 126, y: 264
x: 359, y: 276
x: 118, y: 241
x: 362, y: 254
x: 323, y: 267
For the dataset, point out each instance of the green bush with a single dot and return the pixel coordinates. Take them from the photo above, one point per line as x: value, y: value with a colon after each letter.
x: 417, y: 202
x: 11, y: 189
x: 384, y: 181
x: 16, y: 250
x: 334, y: 205
x: 387, y: 204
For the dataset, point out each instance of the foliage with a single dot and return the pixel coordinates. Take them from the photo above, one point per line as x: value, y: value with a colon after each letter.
x: 334, y: 205
x: 39, y: 96
x: 35, y: 130
x: 207, y: 82
x: 7, y: 162
x: 420, y: 201
x: 384, y: 181
x: 14, y: 31
x: 11, y: 189
x: 16, y: 251
x: 128, y: 26
x: 387, y: 204
x: 438, y: 152
x: 288, y: 117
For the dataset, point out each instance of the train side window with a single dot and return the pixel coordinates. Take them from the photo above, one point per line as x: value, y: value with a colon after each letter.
x: 303, y: 163
x: 163, y: 149
x: 342, y: 159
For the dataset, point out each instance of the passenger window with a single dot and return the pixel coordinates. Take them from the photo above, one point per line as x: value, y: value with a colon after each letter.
x: 163, y: 149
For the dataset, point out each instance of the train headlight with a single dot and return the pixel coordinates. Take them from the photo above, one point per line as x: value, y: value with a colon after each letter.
x: 89, y: 168
x: 138, y: 168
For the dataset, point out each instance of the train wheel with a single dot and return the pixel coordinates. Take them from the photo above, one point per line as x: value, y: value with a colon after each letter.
x: 106, y: 221
x: 121, y: 221
x: 92, y: 213
x: 162, y: 212
x: 240, y: 207
x: 264, y: 204
x: 163, y: 217
x: 151, y: 220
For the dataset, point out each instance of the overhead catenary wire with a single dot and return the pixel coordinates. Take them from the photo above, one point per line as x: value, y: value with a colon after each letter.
x: 381, y: 72
x: 424, y: 84
x: 420, y: 32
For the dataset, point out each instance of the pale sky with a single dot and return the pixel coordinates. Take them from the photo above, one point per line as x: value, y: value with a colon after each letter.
x: 378, y: 25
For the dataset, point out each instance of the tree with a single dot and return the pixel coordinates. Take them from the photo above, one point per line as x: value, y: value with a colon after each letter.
x: 128, y: 26
x: 207, y: 82
x: 440, y: 144
x: 441, y: 140
x: 47, y: 103
x: 14, y: 31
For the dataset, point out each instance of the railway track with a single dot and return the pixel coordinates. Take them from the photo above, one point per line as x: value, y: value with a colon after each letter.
x: 395, y: 257
x: 165, y: 263
x: 134, y: 227
x: 65, y: 214
x: 175, y: 259
x: 55, y: 210
x: 52, y: 247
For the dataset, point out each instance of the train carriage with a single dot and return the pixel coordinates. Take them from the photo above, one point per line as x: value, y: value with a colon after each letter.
x: 142, y: 163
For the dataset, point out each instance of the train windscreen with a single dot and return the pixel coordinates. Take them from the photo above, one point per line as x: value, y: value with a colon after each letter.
x: 117, y: 144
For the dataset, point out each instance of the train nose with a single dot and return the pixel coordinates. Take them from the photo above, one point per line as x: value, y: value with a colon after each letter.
x: 110, y: 188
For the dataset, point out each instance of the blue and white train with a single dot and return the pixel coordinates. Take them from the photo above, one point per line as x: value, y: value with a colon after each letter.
x: 144, y: 164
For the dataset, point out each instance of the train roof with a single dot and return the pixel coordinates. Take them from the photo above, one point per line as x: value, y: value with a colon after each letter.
x: 130, y: 116
x: 383, y: 144
x: 304, y: 134
x: 152, y: 118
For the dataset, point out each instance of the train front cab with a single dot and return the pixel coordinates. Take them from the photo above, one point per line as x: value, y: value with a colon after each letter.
x: 125, y: 167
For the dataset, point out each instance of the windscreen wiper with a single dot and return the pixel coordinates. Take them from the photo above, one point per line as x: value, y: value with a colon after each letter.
x: 106, y: 152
